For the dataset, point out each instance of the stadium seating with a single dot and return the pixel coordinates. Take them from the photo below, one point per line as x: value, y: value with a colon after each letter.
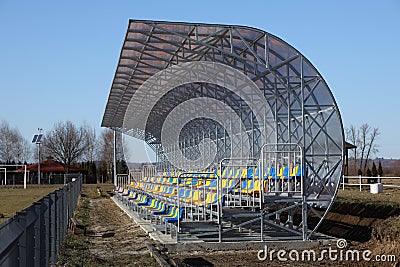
x: 175, y: 196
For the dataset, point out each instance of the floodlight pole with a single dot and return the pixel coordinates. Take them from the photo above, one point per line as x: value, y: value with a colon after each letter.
x: 38, y: 163
x: 37, y: 139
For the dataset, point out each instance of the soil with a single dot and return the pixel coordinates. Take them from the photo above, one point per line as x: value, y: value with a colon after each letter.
x: 111, y: 238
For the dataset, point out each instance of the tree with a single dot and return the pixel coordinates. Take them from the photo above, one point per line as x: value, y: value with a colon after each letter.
x: 365, y: 139
x: 106, y: 153
x: 91, y: 150
x: 372, y: 147
x: 13, y: 147
x: 106, y: 145
x: 380, y: 170
x: 66, y: 143
x: 374, y: 173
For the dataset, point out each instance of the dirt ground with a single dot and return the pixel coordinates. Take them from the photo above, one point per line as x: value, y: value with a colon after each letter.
x: 367, y: 222
x: 111, y: 238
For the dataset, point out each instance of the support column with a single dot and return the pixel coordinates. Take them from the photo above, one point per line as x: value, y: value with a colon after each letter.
x: 115, y: 158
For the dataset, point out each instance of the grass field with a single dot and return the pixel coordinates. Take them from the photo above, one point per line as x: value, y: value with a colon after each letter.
x: 389, y: 196
x: 13, y: 199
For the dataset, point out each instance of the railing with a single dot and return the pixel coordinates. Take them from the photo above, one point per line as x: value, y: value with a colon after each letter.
x: 123, y: 180
x: 33, y: 237
x: 386, y: 181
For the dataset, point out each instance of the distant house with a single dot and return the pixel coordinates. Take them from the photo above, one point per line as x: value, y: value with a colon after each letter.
x: 51, y: 171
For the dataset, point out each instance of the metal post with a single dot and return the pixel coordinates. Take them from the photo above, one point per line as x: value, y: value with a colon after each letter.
x: 38, y: 163
x: 303, y: 176
x: 22, y: 241
x: 53, y: 222
x: 115, y: 158
x: 47, y: 231
x: 25, y: 178
x: 343, y: 182
x: 38, y: 234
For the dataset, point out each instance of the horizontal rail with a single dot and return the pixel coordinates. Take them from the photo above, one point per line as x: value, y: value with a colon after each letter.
x: 361, y: 184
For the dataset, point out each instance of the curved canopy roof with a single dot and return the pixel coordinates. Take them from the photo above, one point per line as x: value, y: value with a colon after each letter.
x: 152, y: 46
x: 302, y: 106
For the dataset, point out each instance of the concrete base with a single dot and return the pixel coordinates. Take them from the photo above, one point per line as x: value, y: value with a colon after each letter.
x: 172, y: 246
x: 248, y: 245
x: 145, y: 225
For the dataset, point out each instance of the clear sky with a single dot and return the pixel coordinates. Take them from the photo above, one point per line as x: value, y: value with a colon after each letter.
x: 57, y: 59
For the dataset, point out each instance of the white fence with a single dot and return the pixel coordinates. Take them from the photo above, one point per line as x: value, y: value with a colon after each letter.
x: 359, y: 181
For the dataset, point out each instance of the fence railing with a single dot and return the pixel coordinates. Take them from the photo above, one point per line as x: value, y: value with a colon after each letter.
x: 33, y: 236
x: 361, y: 181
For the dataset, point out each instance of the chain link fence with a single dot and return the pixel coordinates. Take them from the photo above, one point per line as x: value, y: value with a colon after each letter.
x: 33, y: 237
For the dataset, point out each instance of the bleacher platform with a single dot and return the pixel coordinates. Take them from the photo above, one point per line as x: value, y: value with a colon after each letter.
x: 207, y: 204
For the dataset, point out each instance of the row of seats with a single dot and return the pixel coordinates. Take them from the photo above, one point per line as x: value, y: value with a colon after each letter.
x: 165, y: 212
x: 229, y: 172
x: 195, y: 196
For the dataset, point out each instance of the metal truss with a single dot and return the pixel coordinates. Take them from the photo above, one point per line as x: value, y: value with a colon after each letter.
x: 301, y: 108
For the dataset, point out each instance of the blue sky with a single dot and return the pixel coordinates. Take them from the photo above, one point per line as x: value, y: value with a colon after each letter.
x: 57, y: 59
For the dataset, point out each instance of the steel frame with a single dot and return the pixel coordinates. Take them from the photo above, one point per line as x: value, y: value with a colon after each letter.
x: 301, y: 108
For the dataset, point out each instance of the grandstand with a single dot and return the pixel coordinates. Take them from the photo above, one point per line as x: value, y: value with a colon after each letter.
x: 248, y: 137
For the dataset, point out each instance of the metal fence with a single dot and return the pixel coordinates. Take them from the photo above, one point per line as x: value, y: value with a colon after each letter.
x: 361, y: 181
x: 33, y: 237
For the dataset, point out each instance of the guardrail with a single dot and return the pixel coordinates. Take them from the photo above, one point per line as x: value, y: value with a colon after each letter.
x: 386, y: 181
x: 33, y: 237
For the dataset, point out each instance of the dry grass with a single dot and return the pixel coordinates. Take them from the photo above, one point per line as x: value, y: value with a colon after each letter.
x: 13, y: 199
x: 389, y: 196
x: 125, y: 247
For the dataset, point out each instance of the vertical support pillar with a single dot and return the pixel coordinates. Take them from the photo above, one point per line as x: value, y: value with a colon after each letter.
x: 115, y: 158
x: 303, y: 163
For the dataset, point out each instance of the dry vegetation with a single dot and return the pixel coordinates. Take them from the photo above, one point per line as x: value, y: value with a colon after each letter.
x: 111, y: 237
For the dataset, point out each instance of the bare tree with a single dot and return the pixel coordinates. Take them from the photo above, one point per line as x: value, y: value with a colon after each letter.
x: 106, y: 151
x: 23, y: 150
x: 372, y: 147
x: 365, y: 139
x: 66, y: 143
x: 92, y: 144
x: 13, y: 146
x: 106, y: 145
x: 364, y: 130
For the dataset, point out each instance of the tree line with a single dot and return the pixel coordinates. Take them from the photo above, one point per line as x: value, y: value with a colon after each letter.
x: 69, y: 144
x: 79, y: 145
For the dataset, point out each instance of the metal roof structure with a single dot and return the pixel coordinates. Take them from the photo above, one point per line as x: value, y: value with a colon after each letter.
x: 276, y: 97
